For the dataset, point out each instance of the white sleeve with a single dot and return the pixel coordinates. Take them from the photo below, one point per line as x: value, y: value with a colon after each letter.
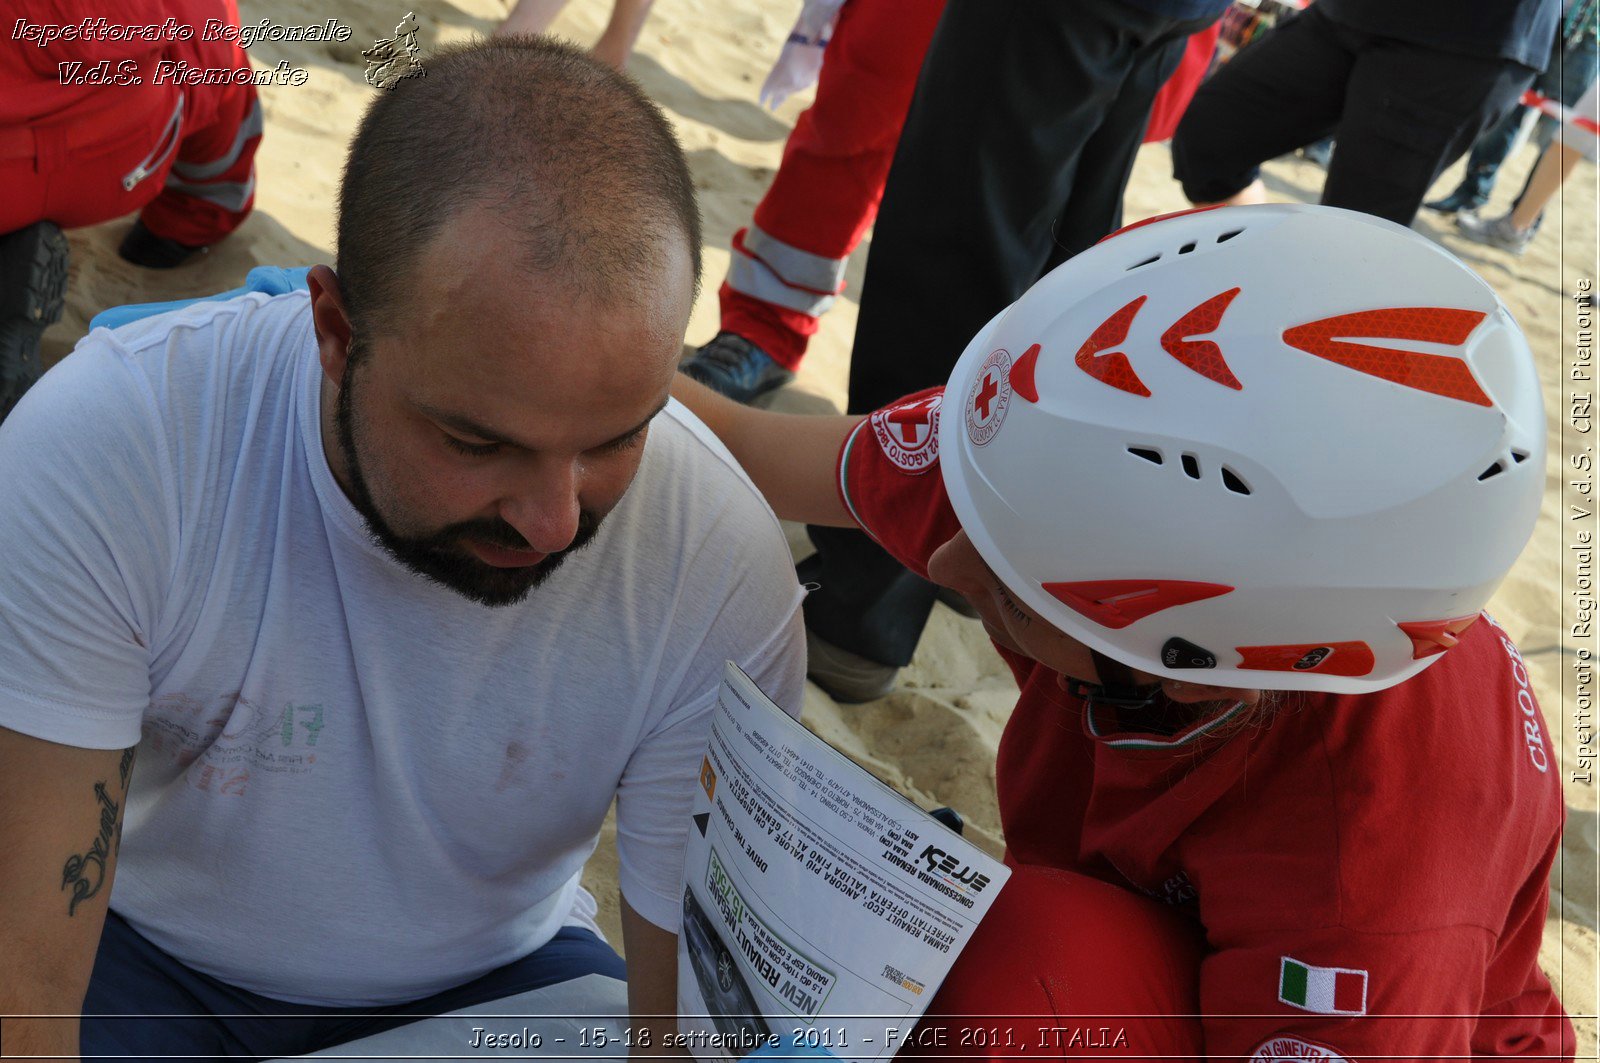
x: 88, y: 527
x: 746, y: 608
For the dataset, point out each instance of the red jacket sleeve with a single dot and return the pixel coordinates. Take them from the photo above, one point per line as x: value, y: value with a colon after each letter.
x: 1335, y: 994
x: 891, y: 483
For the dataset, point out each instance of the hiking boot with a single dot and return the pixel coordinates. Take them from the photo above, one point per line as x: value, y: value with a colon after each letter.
x: 1496, y: 232
x: 736, y: 367
x: 846, y: 677
x: 144, y: 248
x: 1457, y: 202
x: 33, y: 291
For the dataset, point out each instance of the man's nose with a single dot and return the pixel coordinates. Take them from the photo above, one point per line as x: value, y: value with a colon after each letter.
x: 544, y: 506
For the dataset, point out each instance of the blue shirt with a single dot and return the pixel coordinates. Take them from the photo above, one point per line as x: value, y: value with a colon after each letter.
x: 1520, y: 30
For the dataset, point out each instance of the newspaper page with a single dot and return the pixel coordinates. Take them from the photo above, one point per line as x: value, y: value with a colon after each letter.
x: 821, y: 909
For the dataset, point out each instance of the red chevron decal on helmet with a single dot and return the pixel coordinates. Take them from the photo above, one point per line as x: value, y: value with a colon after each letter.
x: 1437, y: 374
x: 1324, y: 658
x: 1116, y: 603
x: 1022, y: 374
x: 1203, y: 356
x: 1114, y: 368
x: 1435, y: 636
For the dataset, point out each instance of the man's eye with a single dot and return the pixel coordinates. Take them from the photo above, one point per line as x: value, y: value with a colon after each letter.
x: 1013, y: 608
x: 477, y: 450
x: 627, y: 442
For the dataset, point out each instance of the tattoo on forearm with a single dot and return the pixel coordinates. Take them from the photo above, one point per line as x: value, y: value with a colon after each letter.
x: 125, y: 769
x: 84, y: 874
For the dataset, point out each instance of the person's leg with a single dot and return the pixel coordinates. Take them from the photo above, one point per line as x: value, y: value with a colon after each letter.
x: 530, y: 16
x: 1410, y: 111
x: 144, y: 1004
x: 572, y: 953
x: 1283, y: 92
x: 1567, y: 80
x: 1489, y: 151
x: 1105, y: 162
x: 622, y: 30
x: 1008, y: 97
x: 790, y: 262
x: 1483, y: 163
x: 1065, y: 965
x: 1513, y: 231
x: 1553, y: 168
x: 210, y: 188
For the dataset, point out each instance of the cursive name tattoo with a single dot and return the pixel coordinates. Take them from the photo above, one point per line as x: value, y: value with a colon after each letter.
x: 125, y: 769
x: 85, y: 874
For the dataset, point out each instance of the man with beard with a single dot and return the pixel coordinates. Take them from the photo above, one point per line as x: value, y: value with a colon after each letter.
x: 354, y: 608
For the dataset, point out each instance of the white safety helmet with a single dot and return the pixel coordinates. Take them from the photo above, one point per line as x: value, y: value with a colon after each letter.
x: 1281, y: 447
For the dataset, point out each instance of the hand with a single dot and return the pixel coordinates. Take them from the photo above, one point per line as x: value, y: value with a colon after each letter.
x: 800, y: 61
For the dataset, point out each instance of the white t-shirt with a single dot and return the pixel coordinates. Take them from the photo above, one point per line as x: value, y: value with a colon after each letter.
x: 354, y: 786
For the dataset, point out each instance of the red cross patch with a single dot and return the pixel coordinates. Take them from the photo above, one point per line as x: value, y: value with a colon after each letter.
x: 909, y: 433
x: 1282, y: 1049
x: 989, y: 398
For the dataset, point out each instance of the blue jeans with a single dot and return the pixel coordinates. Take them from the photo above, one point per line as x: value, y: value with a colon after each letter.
x: 1569, y: 74
x: 144, y: 1004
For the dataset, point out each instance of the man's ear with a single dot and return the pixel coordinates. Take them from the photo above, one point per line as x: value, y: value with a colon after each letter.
x: 331, y: 321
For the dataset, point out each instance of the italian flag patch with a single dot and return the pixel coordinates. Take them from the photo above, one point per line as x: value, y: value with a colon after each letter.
x: 1324, y: 990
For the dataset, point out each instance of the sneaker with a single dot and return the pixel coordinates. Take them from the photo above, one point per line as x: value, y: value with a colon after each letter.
x: 846, y: 677
x: 1457, y: 202
x: 736, y: 367
x: 144, y: 248
x: 33, y: 291
x: 1496, y: 232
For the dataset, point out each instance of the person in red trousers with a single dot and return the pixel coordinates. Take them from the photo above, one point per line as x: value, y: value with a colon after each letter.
x: 788, y: 264
x: 97, y: 121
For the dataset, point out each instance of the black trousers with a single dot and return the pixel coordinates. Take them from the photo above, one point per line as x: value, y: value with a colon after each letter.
x: 1015, y: 153
x: 1401, y: 113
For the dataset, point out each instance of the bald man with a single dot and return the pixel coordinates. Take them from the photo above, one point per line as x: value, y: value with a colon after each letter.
x: 333, y: 621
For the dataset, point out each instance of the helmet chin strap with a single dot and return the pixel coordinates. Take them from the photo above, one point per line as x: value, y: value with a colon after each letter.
x: 1117, y: 687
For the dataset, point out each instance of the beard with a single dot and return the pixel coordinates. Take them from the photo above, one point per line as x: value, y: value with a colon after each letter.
x: 442, y: 556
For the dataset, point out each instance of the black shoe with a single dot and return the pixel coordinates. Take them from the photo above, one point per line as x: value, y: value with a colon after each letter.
x: 144, y: 248
x: 736, y: 367
x: 33, y: 291
x: 1457, y: 202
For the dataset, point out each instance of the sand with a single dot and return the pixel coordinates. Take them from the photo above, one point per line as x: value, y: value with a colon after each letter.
x: 935, y: 738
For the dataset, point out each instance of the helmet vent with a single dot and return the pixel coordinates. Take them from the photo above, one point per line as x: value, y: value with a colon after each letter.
x: 1506, y: 461
x: 1225, y: 237
x: 1186, y: 248
x: 1191, y: 468
x: 1231, y: 481
x: 1146, y: 262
